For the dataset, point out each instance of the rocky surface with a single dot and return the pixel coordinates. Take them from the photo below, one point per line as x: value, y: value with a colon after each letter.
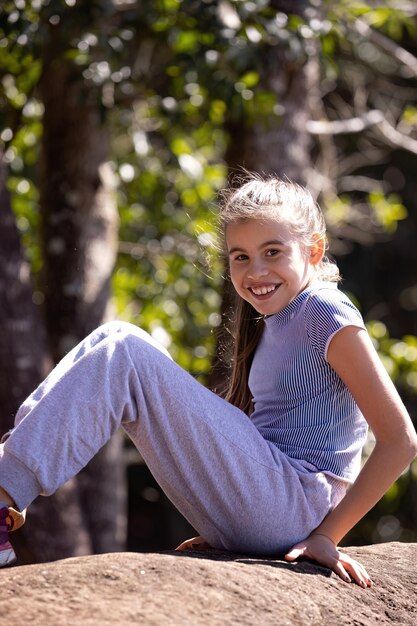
x: 208, y: 588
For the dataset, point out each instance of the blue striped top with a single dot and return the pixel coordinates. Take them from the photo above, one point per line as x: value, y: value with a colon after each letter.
x: 301, y: 404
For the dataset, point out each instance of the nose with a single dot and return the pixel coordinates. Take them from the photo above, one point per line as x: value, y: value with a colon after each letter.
x: 257, y: 269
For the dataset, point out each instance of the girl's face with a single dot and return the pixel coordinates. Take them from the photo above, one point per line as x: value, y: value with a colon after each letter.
x: 269, y: 267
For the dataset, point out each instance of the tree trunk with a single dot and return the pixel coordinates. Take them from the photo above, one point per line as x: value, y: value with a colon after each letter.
x: 79, y: 240
x: 277, y: 143
x: 48, y: 533
x: 79, y: 215
x: 22, y: 339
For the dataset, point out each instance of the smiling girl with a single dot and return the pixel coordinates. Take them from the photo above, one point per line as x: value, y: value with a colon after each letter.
x: 274, y: 468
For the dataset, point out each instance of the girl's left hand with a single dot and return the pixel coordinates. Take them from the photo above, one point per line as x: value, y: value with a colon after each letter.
x: 196, y: 543
x: 321, y: 548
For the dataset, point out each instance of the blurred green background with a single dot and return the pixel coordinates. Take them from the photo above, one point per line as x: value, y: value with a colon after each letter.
x: 120, y: 121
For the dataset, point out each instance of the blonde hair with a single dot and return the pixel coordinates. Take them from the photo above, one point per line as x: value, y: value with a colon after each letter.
x: 259, y: 197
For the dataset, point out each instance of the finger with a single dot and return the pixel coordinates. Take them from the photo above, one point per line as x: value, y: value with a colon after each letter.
x: 358, y: 573
x: 340, y: 571
x: 196, y: 543
x: 366, y: 577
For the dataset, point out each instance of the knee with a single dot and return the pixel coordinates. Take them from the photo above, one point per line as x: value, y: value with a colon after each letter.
x: 110, y: 332
x: 115, y: 327
x: 130, y: 335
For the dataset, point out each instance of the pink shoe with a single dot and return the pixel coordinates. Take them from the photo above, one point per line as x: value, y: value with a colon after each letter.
x: 7, y: 554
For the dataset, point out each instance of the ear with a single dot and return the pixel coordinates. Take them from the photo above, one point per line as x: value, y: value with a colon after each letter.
x: 317, y: 249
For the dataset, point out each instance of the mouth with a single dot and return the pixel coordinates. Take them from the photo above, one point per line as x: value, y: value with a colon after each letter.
x: 264, y: 290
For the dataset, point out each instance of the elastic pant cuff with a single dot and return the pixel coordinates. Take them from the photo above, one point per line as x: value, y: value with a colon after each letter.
x: 19, y: 481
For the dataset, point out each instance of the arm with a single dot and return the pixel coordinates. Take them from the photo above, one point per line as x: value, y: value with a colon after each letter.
x: 353, y: 357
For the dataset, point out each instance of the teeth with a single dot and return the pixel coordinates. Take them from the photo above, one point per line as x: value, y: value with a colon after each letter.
x: 261, y: 291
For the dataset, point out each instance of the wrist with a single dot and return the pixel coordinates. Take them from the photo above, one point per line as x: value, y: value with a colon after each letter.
x: 321, y: 534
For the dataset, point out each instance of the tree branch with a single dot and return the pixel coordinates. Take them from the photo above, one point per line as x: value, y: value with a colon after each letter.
x: 388, y: 45
x: 397, y: 139
x: 340, y: 127
x: 358, y: 124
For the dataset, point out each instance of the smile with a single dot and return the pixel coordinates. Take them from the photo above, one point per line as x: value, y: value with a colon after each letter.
x: 263, y: 291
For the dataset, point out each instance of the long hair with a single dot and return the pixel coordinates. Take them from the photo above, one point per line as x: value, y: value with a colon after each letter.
x: 245, y: 330
x: 260, y: 197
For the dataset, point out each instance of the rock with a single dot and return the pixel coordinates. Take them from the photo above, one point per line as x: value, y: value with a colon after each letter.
x: 208, y: 588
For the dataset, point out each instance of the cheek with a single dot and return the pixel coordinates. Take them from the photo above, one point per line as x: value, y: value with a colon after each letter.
x: 235, y: 277
x: 298, y: 263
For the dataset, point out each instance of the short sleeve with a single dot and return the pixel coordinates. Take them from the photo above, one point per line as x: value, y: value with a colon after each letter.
x: 326, y: 312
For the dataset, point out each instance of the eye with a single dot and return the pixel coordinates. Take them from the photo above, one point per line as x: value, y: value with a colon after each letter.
x: 272, y: 252
x: 240, y: 257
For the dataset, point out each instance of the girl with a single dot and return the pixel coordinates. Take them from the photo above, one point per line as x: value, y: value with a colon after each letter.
x: 273, y: 468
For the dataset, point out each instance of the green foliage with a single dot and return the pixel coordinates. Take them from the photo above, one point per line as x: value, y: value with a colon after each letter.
x: 392, y: 18
x: 388, y: 210
x: 25, y: 204
x: 162, y: 281
x: 398, y: 355
x: 168, y: 145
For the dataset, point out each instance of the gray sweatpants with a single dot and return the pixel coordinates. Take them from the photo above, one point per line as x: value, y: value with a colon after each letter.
x: 239, y: 491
